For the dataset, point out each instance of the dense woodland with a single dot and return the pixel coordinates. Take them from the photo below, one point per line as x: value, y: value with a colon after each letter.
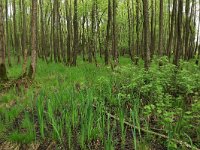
x: 100, y: 74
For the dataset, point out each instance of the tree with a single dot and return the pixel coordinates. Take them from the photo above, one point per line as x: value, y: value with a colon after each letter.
x: 114, y: 45
x: 179, y: 32
x: 16, y: 43
x: 7, y: 35
x: 152, y: 28
x: 129, y: 30
x: 76, y: 43
x: 146, y: 34
x: 42, y: 34
x: 24, y: 37
x: 56, y: 31
x: 187, y: 28
x: 92, y: 39
x: 107, y: 49
x: 161, y: 29
x: 32, y: 68
x: 171, y: 32
x: 137, y: 30
x: 3, y: 74
x: 69, y: 31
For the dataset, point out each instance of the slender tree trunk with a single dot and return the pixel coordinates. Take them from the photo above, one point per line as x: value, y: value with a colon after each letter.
x: 146, y: 34
x: 42, y: 36
x: 152, y: 29
x: 61, y: 42
x: 197, y: 42
x: 92, y: 39
x: 16, y: 45
x: 114, y: 31
x: 20, y: 25
x: 191, y: 35
x: 24, y: 37
x: 179, y: 32
x: 171, y: 33
x: 76, y: 43
x: 32, y: 69
x: 107, y: 49
x: 137, y: 30
x: 161, y: 29
x: 7, y: 35
x: 83, y: 34
x: 129, y: 30
x: 3, y: 73
x: 55, y: 32
x: 187, y: 26
x: 68, y: 16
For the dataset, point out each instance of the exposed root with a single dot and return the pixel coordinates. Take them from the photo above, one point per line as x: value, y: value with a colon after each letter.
x: 17, y: 83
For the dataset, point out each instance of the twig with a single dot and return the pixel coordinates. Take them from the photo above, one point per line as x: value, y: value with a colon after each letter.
x: 150, y: 132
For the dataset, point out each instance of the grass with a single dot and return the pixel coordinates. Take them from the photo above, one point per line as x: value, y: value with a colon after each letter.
x: 59, y: 105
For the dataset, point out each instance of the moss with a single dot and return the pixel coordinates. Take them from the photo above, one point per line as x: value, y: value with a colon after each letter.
x: 3, y: 73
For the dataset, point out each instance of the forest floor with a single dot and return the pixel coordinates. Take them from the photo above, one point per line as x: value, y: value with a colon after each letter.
x: 89, y: 107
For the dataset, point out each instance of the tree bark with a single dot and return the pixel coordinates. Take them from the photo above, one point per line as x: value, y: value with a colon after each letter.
x: 114, y: 31
x: 16, y: 44
x: 161, y: 29
x: 137, y: 31
x: 146, y: 34
x: 107, y: 49
x: 7, y: 35
x: 171, y: 34
x: 32, y: 69
x: 24, y: 37
x: 3, y: 73
x: 179, y: 32
x: 76, y: 42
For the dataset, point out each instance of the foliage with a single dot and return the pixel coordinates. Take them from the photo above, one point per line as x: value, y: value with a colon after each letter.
x: 163, y: 99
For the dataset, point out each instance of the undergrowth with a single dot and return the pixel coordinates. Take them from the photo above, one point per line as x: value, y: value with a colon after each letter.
x: 59, y: 106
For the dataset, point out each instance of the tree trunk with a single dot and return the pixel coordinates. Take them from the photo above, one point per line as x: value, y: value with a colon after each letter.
x: 7, y: 35
x: 129, y: 30
x: 137, y: 31
x: 161, y: 29
x: 187, y: 28
x: 24, y: 48
x: 114, y: 31
x: 55, y: 32
x: 76, y: 42
x: 42, y: 36
x: 152, y: 29
x: 32, y: 69
x: 179, y: 32
x: 3, y: 73
x: 16, y: 44
x: 68, y: 16
x: 146, y: 34
x: 171, y: 34
x: 107, y: 49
